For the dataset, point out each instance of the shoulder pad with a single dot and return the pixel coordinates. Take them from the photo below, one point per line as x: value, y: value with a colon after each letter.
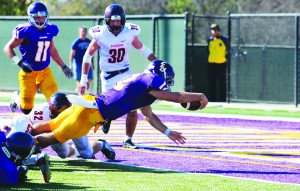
x: 133, y: 28
x: 95, y: 30
x: 53, y: 28
x: 21, y: 30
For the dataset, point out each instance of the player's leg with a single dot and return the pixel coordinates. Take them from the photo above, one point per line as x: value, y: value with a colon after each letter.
x: 104, y: 147
x: 83, y: 147
x: 212, y: 82
x: 47, y: 83
x: 62, y: 150
x: 221, y: 78
x: 28, y: 90
x: 131, y: 121
x: 42, y: 161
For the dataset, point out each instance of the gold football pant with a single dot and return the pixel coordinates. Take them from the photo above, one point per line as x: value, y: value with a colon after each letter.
x: 30, y: 82
x: 75, y: 122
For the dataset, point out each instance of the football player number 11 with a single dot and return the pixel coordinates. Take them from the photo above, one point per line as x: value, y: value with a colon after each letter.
x: 41, y: 53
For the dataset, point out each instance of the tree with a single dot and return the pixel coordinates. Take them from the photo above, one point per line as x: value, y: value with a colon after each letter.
x: 14, y: 7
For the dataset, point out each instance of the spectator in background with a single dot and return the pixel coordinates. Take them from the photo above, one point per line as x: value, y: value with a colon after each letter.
x: 78, y: 49
x: 217, y: 50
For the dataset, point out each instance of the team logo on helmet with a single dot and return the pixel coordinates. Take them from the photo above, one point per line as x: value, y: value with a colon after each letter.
x: 163, y: 69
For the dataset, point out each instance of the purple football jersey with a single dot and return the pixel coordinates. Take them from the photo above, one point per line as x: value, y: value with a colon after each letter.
x: 129, y: 94
x: 35, y: 49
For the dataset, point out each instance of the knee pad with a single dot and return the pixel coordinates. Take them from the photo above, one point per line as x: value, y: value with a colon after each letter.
x: 62, y: 150
x: 86, y: 154
x: 26, y: 111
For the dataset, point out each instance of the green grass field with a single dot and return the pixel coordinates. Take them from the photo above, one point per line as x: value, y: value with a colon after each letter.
x: 73, y: 174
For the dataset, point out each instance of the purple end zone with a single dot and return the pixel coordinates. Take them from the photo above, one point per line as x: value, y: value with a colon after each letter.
x: 208, y: 157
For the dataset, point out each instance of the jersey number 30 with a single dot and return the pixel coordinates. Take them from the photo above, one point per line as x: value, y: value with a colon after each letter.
x: 117, y: 55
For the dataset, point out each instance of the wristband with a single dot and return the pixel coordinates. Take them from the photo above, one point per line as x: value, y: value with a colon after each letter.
x: 167, y: 132
x: 145, y: 51
x: 63, y: 66
x: 16, y: 59
x: 87, y: 58
x: 84, y: 79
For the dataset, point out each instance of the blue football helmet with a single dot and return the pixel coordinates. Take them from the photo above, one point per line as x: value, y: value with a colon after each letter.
x: 58, y: 102
x: 18, y: 146
x: 163, y: 69
x: 38, y: 9
x: 114, y: 12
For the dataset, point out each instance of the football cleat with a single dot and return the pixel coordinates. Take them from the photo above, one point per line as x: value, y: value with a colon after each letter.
x: 129, y: 144
x: 107, y: 150
x: 106, y: 126
x: 13, y: 105
x: 44, y: 165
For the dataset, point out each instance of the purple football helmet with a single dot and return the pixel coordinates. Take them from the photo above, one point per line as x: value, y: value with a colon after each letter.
x: 163, y: 69
x: 38, y: 9
x: 18, y: 146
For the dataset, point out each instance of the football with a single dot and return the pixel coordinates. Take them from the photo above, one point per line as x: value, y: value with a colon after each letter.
x: 194, y: 105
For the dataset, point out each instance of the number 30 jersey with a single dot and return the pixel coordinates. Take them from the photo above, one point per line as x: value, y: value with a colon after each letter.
x: 114, y: 50
x: 35, y: 49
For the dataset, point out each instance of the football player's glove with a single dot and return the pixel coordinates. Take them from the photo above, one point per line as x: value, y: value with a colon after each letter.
x: 24, y: 66
x: 67, y: 71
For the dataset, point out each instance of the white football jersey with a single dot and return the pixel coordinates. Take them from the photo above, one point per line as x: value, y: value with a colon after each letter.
x: 114, y: 50
x: 23, y: 123
x: 40, y: 113
x: 17, y: 124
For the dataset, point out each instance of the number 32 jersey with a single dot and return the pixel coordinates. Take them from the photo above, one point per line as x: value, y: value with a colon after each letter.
x: 23, y: 123
x: 114, y: 50
x: 35, y: 49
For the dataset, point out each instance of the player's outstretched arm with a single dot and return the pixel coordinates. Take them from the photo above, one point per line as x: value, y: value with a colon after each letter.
x: 157, y: 124
x: 180, y: 97
x: 39, y: 128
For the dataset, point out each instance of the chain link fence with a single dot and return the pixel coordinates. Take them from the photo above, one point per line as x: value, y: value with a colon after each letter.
x: 262, y: 61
